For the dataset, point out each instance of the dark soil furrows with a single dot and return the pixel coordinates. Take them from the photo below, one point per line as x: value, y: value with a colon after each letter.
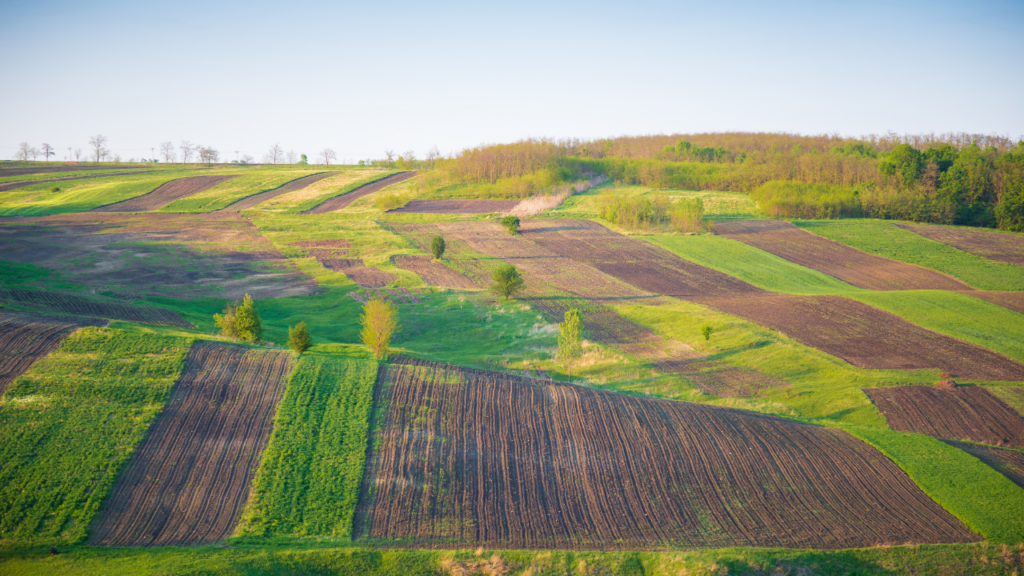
x: 456, y: 206
x: 999, y: 246
x: 256, y: 199
x: 435, y: 273
x: 12, y: 185
x: 73, y: 304
x: 365, y: 276
x: 165, y: 194
x: 340, y: 202
x: 20, y: 171
x: 968, y: 413
x: 26, y: 337
x: 188, y: 481
x: 472, y: 458
x: 834, y: 258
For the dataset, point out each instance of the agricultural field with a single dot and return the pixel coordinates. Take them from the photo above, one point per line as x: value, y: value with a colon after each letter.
x: 832, y: 396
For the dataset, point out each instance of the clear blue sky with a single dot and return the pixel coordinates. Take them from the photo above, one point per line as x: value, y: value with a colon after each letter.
x: 366, y: 76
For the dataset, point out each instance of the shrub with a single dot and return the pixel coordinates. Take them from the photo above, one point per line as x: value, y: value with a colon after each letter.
x: 380, y: 322
x: 511, y: 223
x: 248, y: 325
x: 634, y: 213
x: 787, y: 199
x: 299, y: 339
x: 507, y: 281
x: 226, y: 321
x: 707, y: 331
x: 570, y: 339
x: 687, y: 215
x: 437, y: 247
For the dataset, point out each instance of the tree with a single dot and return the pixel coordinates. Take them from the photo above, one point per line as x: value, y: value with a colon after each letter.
x: 299, y: 339
x: 707, y: 331
x: 327, y: 155
x: 24, y: 151
x: 97, y: 142
x: 78, y: 154
x: 432, y: 156
x: 511, y: 223
x: 167, y: 149
x: 389, y: 156
x: 207, y: 154
x: 292, y: 157
x: 380, y: 322
x: 246, y: 159
x: 303, y: 160
x: 247, y: 321
x: 274, y: 155
x: 186, y: 150
x: 47, y: 151
x: 35, y: 152
x: 226, y: 321
x: 570, y: 339
x: 437, y: 247
x: 507, y: 281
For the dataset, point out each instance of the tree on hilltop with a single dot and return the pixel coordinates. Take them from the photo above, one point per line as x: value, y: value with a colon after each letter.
x: 327, y: 155
x: 98, y: 142
x: 47, y: 151
x: 167, y: 149
x: 274, y: 155
x: 507, y: 281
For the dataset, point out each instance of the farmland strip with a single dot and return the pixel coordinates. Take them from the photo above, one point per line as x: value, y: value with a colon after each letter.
x: 165, y: 194
x: 457, y: 206
x: 27, y: 337
x: 72, y: 304
x: 188, y: 481
x: 12, y: 185
x: 256, y: 199
x: 999, y: 246
x: 340, y: 202
x: 1009, y: 463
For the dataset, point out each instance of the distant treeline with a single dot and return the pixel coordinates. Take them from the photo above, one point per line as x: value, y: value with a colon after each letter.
x: 969, y: 179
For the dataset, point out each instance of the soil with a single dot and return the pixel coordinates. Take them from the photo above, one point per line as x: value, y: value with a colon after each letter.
x: 999, y: 246
x: 321, y: 249
x: 165, y: 194
x: 26, y: 337
x: 96, y: 307
x: 967, y: 413
x: 466, y: 458
x: 340, y: 202
x: 365, y: 276
x: 189, y: 480
x: 1009, y: 463
x: 12, y: 185
x: 1009, y: 300
x: 256, y: 199
x: 835, y: 259
x: 20, y: 171
x: 435, y: 273
x: 456, y: 207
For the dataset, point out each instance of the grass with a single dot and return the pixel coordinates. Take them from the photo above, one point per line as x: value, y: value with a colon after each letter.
x: 294, y: 202
x: 308, y: 482
x: 884, y: 239
x: 235, y: 189
x: 69, y: 424
x: 717, y: 205
x: 310, y: 203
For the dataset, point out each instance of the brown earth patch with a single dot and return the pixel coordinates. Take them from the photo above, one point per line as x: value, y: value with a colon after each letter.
x: 343, y: 201
x: 188, y: 481
x: 473, y: 458
x: 835, y: 259
x: 294, y: 185
x: 22, y: 171
x: 1009, y: 463
x: 1009, y: 300
x: 12, y: 185
x: 999, y: 246
x: 968, y: 413
x: 165, y: 194
x: 321, y: 249
x: 435, y: 273
x: 456, y: 206
x: 27, y: 337
x: 365, y: 276
x: 97, y: 307
x: 719, y: 378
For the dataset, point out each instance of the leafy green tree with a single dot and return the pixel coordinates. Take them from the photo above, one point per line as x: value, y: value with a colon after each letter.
x: 511, y: 223
x: 247, y: 321
x: 905, y: 162
x: 707, y: 331
x: 303, y: 159
x: 226, y: 321
x: 299, y: 339
x: 437, y: 247
x: 570, y: 339
x: 507, y: 281
x: 380, y: 322
x: 1010, y: 211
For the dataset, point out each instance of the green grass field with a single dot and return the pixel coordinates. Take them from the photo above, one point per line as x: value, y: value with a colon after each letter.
x: 231, y: 191
x: 717, y: 205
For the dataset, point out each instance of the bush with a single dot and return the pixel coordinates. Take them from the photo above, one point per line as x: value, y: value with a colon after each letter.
x: 787, y: 199
x: 687, y: 215
x: 634, y: 213
x: 380, y: 322
x: 437, y: 247
x: 226, y: 321
x: 299, y: 339
x: 248, y: 325
x: 507, y: 281
x: 511, y: 223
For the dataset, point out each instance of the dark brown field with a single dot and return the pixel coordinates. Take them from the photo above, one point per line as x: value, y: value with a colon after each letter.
x: 365, y: 276
x: 26, y: 337
x: 1009, y: 463
x: 256, y: 199
x: 75, y: 305
x: 968, y: 413
x: 472, y: 458
x: 165, y: 194
x: 435, y: 273
x: 188, y: 481
x: 22, y: 170
x: 12, y: 185
x: 1000, y: 246
x: 456, y: 206
x: 835, y: 259
x: 340, y: 202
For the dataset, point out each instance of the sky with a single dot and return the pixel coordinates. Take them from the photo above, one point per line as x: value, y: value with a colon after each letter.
x: 361, y: 78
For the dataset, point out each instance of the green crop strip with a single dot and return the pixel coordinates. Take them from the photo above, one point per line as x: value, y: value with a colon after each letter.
x: 314, y: 202
x: 230, y: 191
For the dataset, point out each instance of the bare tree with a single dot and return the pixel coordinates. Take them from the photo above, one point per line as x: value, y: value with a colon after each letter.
x: 97, y: 142
x: 246, y: 159
x: 78, y: 154
x: 167, y: 149
x: 186, y: 150
x: 292, y: 157
x: 47, y: 151
x: 24, y: 151
x: 208, y: 154
x: 432, y: 155
x: 35, y: 153
x: 327, y: 155
x: 274, y: 155
x: 389, y: 155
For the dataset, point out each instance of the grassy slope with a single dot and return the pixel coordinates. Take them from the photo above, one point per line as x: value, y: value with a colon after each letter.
x: 885, y: 239
x: 717, y: 205
x: 338, y: 183
x: 308, y: 482
x: 72, y: 171
x: 364, y: 179
x: 253, y: 181
x: 69, y: 423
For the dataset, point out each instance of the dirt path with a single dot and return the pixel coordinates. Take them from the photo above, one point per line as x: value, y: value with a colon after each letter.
x: 165, y: 194
x: 297, y: 184
x: 340, y: 202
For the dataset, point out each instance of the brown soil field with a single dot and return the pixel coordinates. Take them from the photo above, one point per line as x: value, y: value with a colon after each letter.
x: 456, y: 207
x: 435, y: 273
x: 1001, y: 246
x: 1009, y: 463
x: 12, y: 185
x: 137, y: 255
x: 335, y: 248
x: 839, y: 260
x: 1009, y: 300
x: 75, y: 305
x: 340, y: 202
x: 472, y: 458
x: 165, y: 194
x: 719, y: 378
x: 188, y: 481
x: 294, y: 185
x: 968, y: 413
x: 365, y: 276
x: 22, y: 171
x: 26, y: 337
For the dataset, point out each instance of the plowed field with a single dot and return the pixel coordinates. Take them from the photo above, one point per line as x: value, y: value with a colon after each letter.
x: 256, y: 199
x: 365, y: 276
x: 72, y: 304
x: 27, y: 337
x: 456, y: 206
x: 340, y: 202
x: 165, y: 194
x: 839, y: 260
x: 1009, y: 463
x: 968, y: 413
x: 468, y: 458
x: 435, y: 273
x: 1001, y: 246
x: 187, y: 482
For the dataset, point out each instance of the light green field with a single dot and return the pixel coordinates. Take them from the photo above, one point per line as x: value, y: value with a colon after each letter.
x: 318, y: 192
x: 231, y: 191
x: 717, y: 205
